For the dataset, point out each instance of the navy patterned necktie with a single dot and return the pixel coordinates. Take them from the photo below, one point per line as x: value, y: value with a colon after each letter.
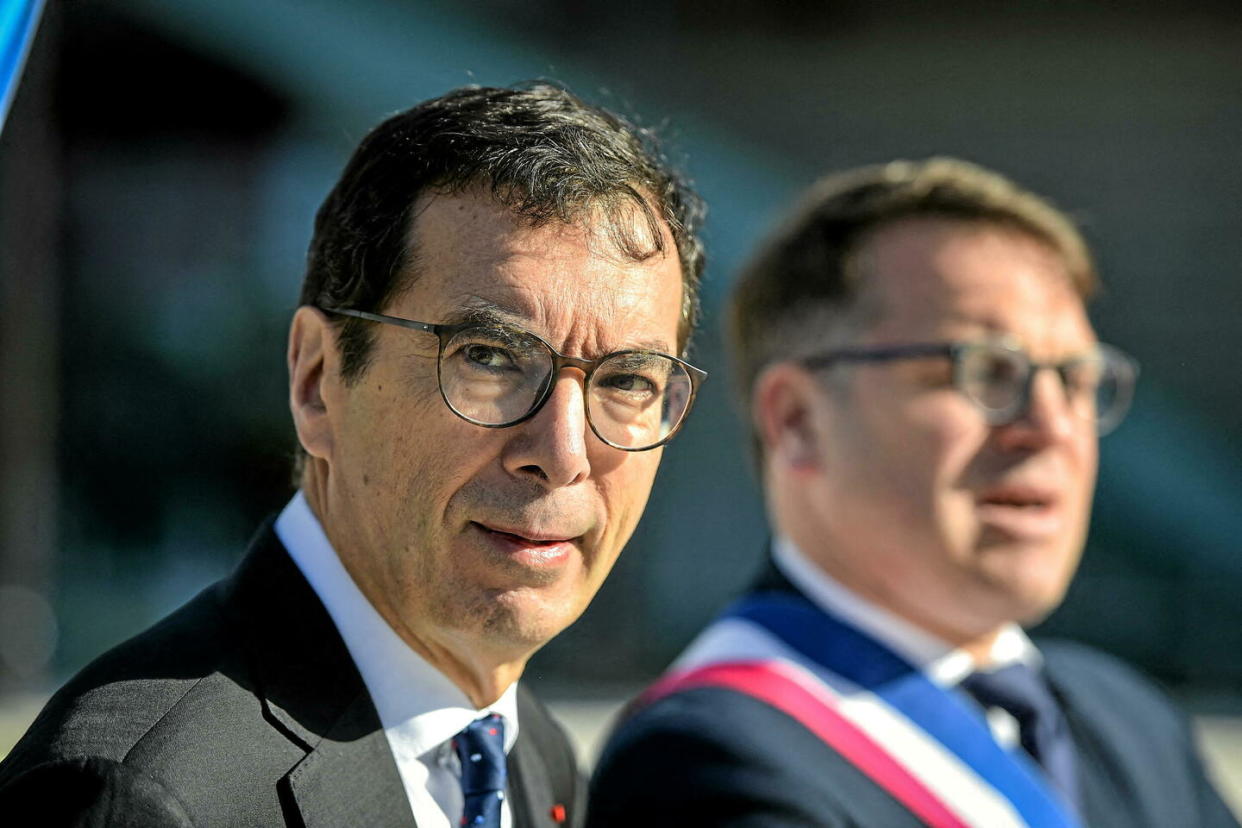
x: 1022, y: 693
x: 481, y: 749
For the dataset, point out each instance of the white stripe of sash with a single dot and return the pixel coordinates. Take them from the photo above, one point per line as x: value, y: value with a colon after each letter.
x: 951, y: 780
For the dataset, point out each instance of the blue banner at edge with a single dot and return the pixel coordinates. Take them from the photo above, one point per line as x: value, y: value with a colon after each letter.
x: 18, y: 23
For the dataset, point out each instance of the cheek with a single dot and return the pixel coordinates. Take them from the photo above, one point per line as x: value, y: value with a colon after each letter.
x: 930, y: 476
x: 625, y: 488
x: 962, y: 445
x: 944, y: 441
x: 1087, y: 465
x: 411, y: 451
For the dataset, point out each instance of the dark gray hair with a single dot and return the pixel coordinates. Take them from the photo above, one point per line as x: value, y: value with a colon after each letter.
x: 538, y: 149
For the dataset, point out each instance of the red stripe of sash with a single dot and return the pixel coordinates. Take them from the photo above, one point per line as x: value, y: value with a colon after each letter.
x: 769, y: 683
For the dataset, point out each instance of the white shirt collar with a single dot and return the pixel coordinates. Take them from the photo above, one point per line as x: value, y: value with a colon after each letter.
x: 419, y: 707
x: 939, y: 660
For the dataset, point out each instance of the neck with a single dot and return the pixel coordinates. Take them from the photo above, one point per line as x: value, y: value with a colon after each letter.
x: 975, y: 634
x: 483, y: 680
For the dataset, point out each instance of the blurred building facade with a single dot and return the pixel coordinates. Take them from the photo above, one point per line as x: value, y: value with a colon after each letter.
x: 163, y: 161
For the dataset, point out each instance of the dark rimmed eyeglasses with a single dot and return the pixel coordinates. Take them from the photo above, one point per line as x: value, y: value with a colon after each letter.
x: 495, y: 375
x: 996, y: 375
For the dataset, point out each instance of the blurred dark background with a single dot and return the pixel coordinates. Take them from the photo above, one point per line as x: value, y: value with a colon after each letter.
x: 163, y: 160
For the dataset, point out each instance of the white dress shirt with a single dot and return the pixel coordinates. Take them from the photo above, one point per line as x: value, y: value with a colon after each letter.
x: 419, y: 708
x: 942, y: 663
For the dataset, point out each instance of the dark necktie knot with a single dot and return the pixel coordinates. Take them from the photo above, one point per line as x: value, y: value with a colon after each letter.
x: 481, y: 749
x: 1016, y: 689
x: 1024, y: 694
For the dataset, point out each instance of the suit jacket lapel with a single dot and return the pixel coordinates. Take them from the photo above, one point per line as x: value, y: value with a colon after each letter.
x: 349, y: 778
x: 529, y: 787
x: 311, y: 691
x: 531, y: 794
x: 1103, y: 794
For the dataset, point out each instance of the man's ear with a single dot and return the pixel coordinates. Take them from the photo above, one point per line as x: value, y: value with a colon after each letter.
x: 784, y: 408
x: 312, y: 364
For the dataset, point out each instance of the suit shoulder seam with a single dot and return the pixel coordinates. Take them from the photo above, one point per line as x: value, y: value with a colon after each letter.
x: 155, y: 725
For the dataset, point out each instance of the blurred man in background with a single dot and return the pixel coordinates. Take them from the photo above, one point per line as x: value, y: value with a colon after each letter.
x: 481, y: 375
x: 926, y: 393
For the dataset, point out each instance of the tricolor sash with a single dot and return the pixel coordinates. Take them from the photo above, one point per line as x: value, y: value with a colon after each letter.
x: 922, y: 744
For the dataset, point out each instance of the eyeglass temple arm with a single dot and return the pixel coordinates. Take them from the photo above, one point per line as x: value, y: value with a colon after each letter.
x: 877, y: 354
x: 388, y: 320
x: 697, y: 375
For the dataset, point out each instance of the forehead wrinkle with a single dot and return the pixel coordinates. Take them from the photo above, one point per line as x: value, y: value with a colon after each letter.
x: 587, y: 320
x: 644, y: 343
x: 629, y: 305
x: 585, y: 297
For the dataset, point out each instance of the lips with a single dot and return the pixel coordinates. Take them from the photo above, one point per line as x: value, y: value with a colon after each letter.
x: 534, y: 536
x: 1018, y: 499
x: 1025, y: 512
x: 530, y: 547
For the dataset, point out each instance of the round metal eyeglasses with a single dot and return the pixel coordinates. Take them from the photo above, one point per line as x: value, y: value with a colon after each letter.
x: 996, y: 376
x: 495, y: 375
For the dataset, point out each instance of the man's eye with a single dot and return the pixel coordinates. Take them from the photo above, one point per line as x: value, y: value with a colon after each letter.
x: 1000, y: 370
x: 488, y: 356
x: 931, y: 372
x: 631, y: 383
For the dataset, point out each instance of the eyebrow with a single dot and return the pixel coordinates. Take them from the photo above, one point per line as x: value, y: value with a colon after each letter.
x: 480, y: 311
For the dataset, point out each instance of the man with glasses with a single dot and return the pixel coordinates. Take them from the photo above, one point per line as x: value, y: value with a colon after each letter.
x: 926, y: 394
x: 483, y: 371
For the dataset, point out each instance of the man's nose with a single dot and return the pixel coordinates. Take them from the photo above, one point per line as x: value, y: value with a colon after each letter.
x: 552, y: 445
x: 1048, y: 416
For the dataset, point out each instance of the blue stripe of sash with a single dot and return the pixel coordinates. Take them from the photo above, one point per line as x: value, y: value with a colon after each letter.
x: 830, y: 642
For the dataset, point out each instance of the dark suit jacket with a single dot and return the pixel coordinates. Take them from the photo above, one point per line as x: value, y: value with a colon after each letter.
x: 243, y: 708
x: 715, y: 757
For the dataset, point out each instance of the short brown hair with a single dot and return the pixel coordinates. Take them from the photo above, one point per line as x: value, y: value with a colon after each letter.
x: 807, y: 276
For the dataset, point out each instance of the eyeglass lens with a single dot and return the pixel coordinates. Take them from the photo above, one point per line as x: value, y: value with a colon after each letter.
x: 492, y: 375
x: 496, y: 376
x: 997, y: 378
